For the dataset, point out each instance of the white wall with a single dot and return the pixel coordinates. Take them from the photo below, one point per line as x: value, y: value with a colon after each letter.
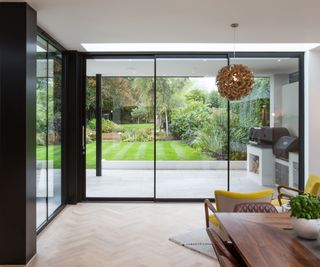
x: 290, y: 108
x: 276, y: 105
x: 312, y: 113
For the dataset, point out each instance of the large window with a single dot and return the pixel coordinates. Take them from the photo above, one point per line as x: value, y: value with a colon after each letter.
x: 166, y: 133
x: 49, y: 73
x: 127, y: 132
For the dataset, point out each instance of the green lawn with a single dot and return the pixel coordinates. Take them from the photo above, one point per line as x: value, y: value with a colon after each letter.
x: 166, y: 150
x: 54, y: 152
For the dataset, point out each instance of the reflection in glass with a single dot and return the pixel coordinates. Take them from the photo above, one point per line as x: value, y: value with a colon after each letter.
x: 54, y: 129
x: 41, y: 117
x: 48, y: 116
x: 272, y: 104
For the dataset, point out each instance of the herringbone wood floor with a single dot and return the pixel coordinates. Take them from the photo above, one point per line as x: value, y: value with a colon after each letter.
x: 120, y: 235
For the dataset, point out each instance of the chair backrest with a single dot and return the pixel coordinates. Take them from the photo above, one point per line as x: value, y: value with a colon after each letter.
x: 259, y: 207
x: 220, y: 248
x: 313, y: 185
x: 226, y: 201
x: 225, y: 262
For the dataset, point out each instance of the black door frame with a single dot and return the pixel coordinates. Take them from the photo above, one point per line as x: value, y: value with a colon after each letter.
x: 51, y: 41
x: 155, y: 56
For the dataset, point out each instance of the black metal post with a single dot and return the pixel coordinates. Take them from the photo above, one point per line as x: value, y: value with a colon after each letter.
x: 98, y: 126
x: 301, y: 124
x: 74, y: 140
x: 155, y: 129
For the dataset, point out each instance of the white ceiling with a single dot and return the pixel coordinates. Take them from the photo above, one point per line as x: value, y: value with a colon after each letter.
x: 186, y: 67
x: 72, y: 22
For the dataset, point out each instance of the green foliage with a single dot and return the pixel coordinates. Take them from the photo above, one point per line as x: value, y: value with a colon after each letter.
x: 170, y: 96
x: 305, y: 206
x: 249, y: 109
x: 212, y: 136
x: 185, y: 122
x: 106, y: 127
x: 41, y: 138
x: 196, y: 95
x: 140, y: 113
x: 138, y: 135
x: 118, y: 93
x: 134, y: 126
x: 192, y: 115
x: 214, y: 100
x: 90, y: 135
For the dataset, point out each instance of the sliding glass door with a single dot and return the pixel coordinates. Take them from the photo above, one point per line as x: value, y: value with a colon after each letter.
x: 156, y: 127
x: 264, y: 132
x: 48, y: 136
x: 191, y: 147
x: 120, y: 158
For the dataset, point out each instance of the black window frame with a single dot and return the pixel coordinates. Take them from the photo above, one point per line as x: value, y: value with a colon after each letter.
x: 50, y: 41
x: 155, y: 56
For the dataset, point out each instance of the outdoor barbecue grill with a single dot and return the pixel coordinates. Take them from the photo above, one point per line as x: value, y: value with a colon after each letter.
x: 267, y: 135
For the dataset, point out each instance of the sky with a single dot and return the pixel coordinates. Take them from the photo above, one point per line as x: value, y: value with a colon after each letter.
x: 206, y: 83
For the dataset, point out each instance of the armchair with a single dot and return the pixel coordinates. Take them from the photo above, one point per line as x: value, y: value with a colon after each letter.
x: 226, y: 201
x: 285, y: 193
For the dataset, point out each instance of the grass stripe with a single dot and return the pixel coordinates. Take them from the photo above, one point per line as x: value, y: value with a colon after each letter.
x: 108, y: 148
x: 117, y: 150
x: 121, y: 152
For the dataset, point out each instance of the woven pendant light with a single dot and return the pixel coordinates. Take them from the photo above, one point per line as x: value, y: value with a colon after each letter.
x: 234, y: 81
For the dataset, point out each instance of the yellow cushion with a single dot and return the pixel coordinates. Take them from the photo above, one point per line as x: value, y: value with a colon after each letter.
x: 275, y: 202
x: 313, y: 184
x: 213, y: 219
x: 244, y: 196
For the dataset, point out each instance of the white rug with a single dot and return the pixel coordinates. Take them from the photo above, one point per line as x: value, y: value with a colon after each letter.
x: 196, y: 240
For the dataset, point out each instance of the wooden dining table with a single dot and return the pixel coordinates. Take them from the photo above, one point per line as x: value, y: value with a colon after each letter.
x: 267, y: 239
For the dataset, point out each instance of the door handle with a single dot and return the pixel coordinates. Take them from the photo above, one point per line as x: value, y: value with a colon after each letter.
x: 83, y: 140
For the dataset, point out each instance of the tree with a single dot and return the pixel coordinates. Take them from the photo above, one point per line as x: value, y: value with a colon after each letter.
x: 170, y: 95
x: 214, y: 100
x: 140, y: 113
x: 143, y: 93
x: 197, y: 95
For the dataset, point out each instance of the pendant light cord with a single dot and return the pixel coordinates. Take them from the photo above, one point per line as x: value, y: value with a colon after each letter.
x: 234, y: 42
x: 234, y: 26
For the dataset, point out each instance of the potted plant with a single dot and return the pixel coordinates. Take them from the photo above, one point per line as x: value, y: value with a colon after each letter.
x: 305, y: 213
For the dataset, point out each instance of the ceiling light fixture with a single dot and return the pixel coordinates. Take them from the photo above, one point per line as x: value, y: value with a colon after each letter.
x: 234, y: 81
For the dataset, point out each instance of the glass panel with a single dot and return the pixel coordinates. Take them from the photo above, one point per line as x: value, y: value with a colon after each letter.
x: 54, y: 129
x: 269, y: 112
x: 127, y: 128
x: 41, y: 131
x: 191, y: 126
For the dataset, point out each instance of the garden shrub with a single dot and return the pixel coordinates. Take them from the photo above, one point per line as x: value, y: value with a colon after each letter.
x: 138, y: 135
x: 90, y: 135
x: 212, y: 137
x: 185, y: 122
x: 196, y: 95
x: 106, y: 127
x: 41, y: 139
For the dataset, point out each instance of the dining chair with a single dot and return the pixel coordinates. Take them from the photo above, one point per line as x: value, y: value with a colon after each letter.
x: 226, y: 201
x: 225, y: 262
x: 258, y: 207
x: 285, y: 193
x: 224, y: 256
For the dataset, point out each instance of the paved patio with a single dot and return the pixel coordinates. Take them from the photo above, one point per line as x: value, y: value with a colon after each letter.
x: 169, y: 183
